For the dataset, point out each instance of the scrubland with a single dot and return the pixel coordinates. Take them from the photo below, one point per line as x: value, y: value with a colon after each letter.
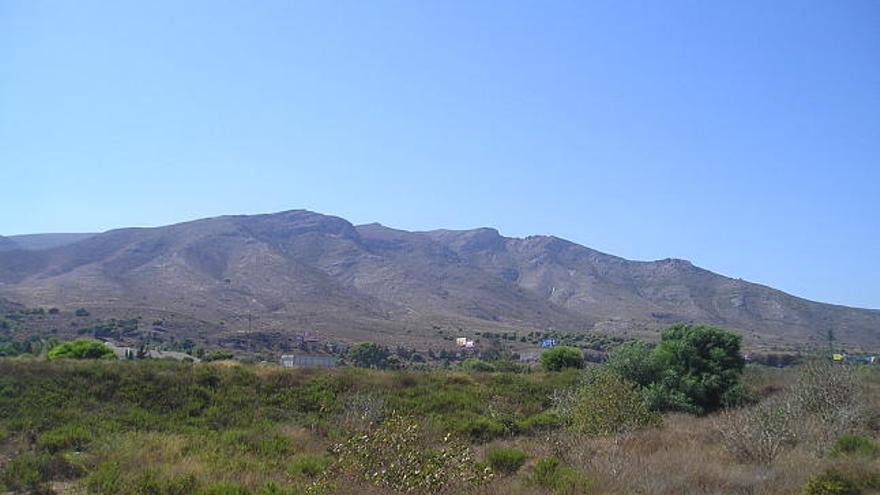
x: 161, y: 427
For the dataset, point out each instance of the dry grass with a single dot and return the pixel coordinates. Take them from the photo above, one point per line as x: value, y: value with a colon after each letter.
x: 683, y: 455
x: 686, y: 455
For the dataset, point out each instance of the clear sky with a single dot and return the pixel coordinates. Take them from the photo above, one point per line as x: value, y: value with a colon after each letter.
x: 741, y: 135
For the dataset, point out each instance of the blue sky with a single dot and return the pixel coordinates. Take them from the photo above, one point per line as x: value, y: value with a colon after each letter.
x: 743, y: 136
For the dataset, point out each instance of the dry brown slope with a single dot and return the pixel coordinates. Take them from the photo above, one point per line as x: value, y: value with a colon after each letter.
x: 298, y: 269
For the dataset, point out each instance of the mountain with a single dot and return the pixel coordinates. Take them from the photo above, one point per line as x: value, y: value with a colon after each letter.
x: 270, y: 276
x: 7, y: 244
x: 46, y: 241
x: 31, y: 242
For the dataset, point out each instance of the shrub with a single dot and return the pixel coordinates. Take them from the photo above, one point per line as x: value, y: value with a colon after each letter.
x: 550, y: 473
x: 507, y: 365
x: 633, y: 362
x: 830, y: 483
x: 308, y: 465
x: 832, y: 393
x: 484, y: 429
x: 758, y: 434
x: 851, y: 444
x: 24, y: 473
x: 370, y: 355
x: 699, y: 369
x: 474, y: 364
x: 82, y: 312
x: 606, y: 404
x: 559, y: 358
x: 391, y: 453
x: 28, y: 472
x: 219, y: 356
x: 824, y: 403
x: 362, y: 409
x: 544, y: 420
x: 506, y: 460
x: 109, y: 479
x: 81, y: 349
x: 68, y: 436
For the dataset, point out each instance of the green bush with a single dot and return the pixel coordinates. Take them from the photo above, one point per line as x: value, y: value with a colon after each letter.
x: 559, y: 358
x: 633, y: 362
x: 219, y: 356
x: 851, y: 444
x: 507, y: 365
x: 68, y: 436
x: 506, y: 460
x: 551, y: 474
x: 474, y: 364
x: 81, y: 349
x: 606, y: 404
x: 24, y: 473
x: 484, y: 429
x: 370, y: 355
x: 109, y: 479
x: 699, y: 368
x: 28, y: 472
x: 545, y: 420
x: 308, y: 465
x: 831, y: 483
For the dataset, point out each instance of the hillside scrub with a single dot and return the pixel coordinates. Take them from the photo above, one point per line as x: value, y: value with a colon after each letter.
x: 163, y: 427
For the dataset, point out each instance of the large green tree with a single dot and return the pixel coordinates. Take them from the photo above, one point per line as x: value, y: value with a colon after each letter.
x: 699, y: 369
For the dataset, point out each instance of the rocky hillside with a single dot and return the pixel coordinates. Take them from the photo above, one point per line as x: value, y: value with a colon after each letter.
x: 302, y: 271
x: 7, y: 244
x: 46, y: 241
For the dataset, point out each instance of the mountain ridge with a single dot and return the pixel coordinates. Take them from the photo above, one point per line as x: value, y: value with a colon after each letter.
x: 302, y: 271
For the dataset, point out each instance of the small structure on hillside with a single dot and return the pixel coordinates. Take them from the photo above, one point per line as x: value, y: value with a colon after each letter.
x: 300, y: 361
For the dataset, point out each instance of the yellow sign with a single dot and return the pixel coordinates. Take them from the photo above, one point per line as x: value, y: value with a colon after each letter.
x: 837, y: 357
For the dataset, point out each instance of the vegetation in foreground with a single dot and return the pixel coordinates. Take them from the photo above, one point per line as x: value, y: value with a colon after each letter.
x: 683, y: 417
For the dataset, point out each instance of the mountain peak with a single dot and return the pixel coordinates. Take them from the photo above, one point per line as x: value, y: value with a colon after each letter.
x: 479, y: 239
x: 299, y: 270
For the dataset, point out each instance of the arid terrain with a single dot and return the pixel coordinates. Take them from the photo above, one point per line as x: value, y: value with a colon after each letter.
x: 265, y: 279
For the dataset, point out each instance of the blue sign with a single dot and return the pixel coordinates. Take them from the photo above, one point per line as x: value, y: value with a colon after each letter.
x: 549, y: 342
